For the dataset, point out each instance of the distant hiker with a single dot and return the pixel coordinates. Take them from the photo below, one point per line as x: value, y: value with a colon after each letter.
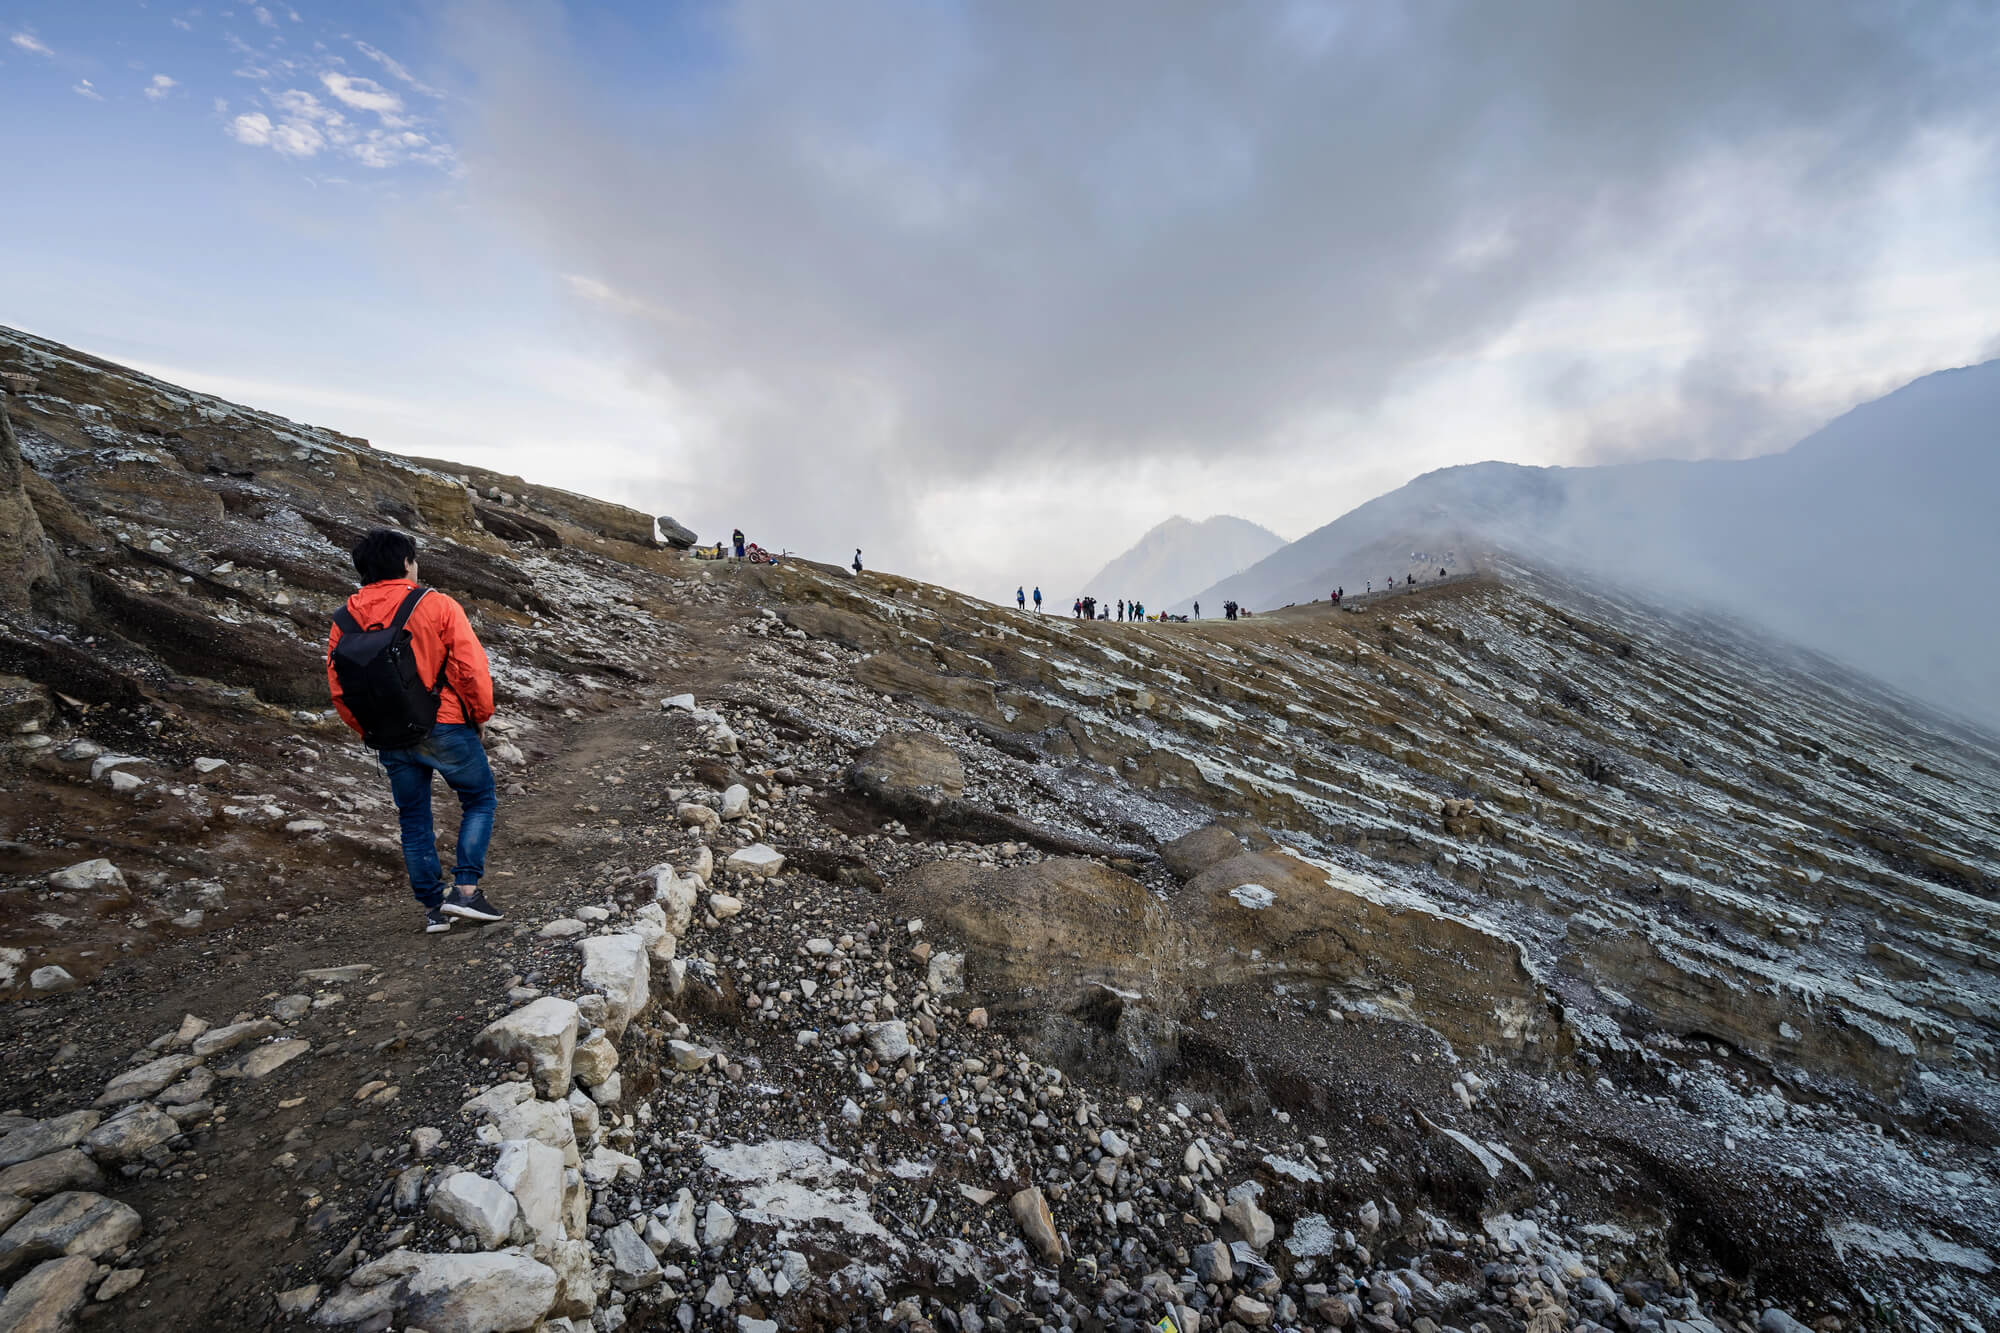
x: 736, y: 538
x: 1197, y: 610
x: 1021, y: 598
x: 409, y: 675
x: 1038, y: 599
x: 1076, y: 608
x: 1441, y: 573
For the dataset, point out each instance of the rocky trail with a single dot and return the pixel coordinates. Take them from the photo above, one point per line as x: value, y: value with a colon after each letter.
x: 1500, y: 955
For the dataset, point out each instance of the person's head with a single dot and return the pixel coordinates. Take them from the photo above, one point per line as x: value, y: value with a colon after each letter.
x: 385, y: 554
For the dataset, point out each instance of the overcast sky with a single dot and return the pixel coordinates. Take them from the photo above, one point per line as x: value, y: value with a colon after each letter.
x: 989, y: 290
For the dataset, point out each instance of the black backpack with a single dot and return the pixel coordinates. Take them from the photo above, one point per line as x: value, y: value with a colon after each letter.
x: 379, y: 680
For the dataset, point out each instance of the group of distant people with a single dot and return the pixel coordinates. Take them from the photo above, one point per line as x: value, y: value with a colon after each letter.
x: 1087, y: 608
x: 1021, y: 599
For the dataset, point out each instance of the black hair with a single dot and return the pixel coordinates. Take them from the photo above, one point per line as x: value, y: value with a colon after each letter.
x: 382, y: 554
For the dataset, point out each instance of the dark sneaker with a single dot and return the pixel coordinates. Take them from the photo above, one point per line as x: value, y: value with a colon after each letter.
x: 473, y: 907
x: 435, y: 920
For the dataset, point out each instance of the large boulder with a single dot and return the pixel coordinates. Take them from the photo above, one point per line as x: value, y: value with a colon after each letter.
x: 616, y: 966
x: 1273, y: 913
x: 1052, y: 935
x: 907, y: 761
x: 677, y: 535
x: 146, y: 1079
x: 47, y: 1299
x: 446, y: 1293
x: 541, y: 1032
x: 43, y: 1176
x: 73, y: 1222
x: 47, y: 1136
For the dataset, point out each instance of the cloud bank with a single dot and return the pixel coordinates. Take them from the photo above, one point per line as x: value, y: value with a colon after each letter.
x: 894, y: 253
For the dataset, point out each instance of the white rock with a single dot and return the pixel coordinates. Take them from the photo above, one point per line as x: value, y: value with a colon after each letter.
x: 106, y: 763
x: 583, y: 1116
x: 51, y: 978
x: 947, y: 973
x: 86, y: 875
x: 677, y: 1218
x: 724, y: 905
x: 718, y: 1225
x: 683, y: 702
x: 676, y: 897
x: 605, y: 1165
x: 689, y: 1057
x: 634, y: 1266
x: 482, y: 1208
x: 446, y: 1293
x: 122, y: 782
x: 735, y: 801
x: 616, y: 966
x: 206, y: 765
x: 533, y: 1173
x: 889, y: 1041
x: 541, y: 1032
x: 561, y: 928
x: 513, y: 1111
x: 757, y: 860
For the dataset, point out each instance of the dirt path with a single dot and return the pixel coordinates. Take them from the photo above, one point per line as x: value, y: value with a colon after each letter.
x: 268, y: 1194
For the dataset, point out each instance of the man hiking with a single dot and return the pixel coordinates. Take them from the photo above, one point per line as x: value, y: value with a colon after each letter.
x: 1038, y: 599
x: 413, y: 683
x: 1021, y: 598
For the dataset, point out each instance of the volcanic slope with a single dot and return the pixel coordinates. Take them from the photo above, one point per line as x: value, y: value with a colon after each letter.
x: 1503, y: 954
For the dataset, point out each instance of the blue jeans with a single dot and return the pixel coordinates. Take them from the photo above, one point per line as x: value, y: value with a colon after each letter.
x: 453, y: 750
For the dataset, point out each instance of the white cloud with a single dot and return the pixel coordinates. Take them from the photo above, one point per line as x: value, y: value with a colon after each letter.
x: 396, y: 69
x: 303, y: 126
x: 253, y: 128
x: 160, y: 86
x: 27, y: 41
x: 82, y: 88
x: 365, y: 95
x: 183, y: 25
x: 264, y: 17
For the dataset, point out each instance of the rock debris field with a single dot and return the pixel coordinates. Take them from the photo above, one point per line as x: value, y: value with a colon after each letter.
x: 1507, y: 955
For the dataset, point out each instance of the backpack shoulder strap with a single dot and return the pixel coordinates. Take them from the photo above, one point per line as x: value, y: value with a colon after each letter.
x: 345, y: 619
x: 409, y: 604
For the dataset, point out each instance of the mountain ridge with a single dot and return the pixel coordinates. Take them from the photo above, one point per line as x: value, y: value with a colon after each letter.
x: 1869, y: 539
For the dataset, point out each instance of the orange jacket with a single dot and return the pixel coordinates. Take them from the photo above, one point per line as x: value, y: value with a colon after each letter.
x: 437, y: 623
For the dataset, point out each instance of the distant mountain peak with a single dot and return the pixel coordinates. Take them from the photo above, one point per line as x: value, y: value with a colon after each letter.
x: 1180, y: 555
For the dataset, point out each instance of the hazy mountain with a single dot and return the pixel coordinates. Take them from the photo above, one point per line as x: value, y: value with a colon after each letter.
x: 1874, y: 539
x: 1180, y: 557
